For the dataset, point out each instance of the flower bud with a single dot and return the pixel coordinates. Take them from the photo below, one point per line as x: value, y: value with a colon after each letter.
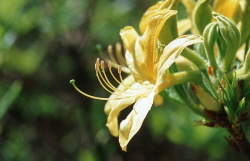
x: 210, y: 36
x: 202, y: 15
x: 228, y: 40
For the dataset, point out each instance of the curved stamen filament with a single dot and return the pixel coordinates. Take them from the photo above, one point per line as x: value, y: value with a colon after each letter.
x: 119, y: 71
x: 116, y: 58
x: 109, y: 84
x: 105, y: 83
x: 120, y: 75
x: 110, y: 66
x: 100, y: 98
x: 99, y: 74
x: 104, y: 78
x: 111, y: 55
x: 120, y: 57
x: 117, y: 91
x: 94, y: 97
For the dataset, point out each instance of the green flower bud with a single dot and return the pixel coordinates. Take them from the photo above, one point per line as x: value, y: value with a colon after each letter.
x: 230, y: 38
x: 202, y: 14
x: 210, y: 36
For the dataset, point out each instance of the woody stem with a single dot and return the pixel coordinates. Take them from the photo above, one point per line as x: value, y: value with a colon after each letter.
x: 241, y: 141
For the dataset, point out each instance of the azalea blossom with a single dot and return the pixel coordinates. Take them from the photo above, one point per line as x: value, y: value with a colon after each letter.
x: 148, y: 62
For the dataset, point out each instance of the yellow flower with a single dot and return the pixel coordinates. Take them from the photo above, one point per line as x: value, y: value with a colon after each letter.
x: 148, y: 62
x: 149, y: 75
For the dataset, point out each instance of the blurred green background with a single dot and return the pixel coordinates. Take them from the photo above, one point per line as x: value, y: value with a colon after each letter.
x: 44, y: 44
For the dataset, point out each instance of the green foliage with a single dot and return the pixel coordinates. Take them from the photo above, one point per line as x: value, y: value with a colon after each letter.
x: 9, y: 97
x: 45, y: 43
x: 177, y: 124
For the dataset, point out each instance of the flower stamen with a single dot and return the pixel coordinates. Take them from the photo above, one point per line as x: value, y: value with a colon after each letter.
x: 111, y: 55
x: 107, y: 85
x: 120, y: 57
x: 103, y: 78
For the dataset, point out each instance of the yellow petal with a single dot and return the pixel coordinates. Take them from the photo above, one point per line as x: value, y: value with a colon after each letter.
x: 135, y: 70
x: 113, y: 107
x: 150, y: 13
x: 128, y: 81
x: 146, y: 53
x: 171, y: 53
x: 129, y: 36
x: 226, y: 7
x: 117, y: 107
x: 149, y: 40
x: 130, y: 126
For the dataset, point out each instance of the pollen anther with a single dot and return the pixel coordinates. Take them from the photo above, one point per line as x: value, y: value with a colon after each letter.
x: 102, y: 65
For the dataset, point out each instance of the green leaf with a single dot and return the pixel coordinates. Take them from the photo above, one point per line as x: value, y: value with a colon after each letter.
x: 9, y: 97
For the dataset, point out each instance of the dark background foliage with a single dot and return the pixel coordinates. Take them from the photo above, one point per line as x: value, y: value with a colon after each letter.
x: 44, y: 44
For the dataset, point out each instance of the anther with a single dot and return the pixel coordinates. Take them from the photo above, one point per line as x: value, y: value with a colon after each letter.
x: 102, y: 65
x: 97, y: 67
x: 110, y: 49
x: 109, y: 64
x: 98, y: 61
x: 118, y: 47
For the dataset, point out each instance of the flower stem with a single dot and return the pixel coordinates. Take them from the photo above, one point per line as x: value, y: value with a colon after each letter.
x: 238, y: 138
x: 241, y: 141
x: 195, y: 58
x: 184, y: 77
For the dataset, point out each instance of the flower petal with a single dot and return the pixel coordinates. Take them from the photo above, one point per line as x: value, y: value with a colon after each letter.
x: 128, y: 81
x: 113, y: 107
x: 226, y: 7
x: 151, y: 11
x: 129, y: 36
x: 130, y: 126
x: 117, y: 106
x: 146, y: 52
x: 171, y: 53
